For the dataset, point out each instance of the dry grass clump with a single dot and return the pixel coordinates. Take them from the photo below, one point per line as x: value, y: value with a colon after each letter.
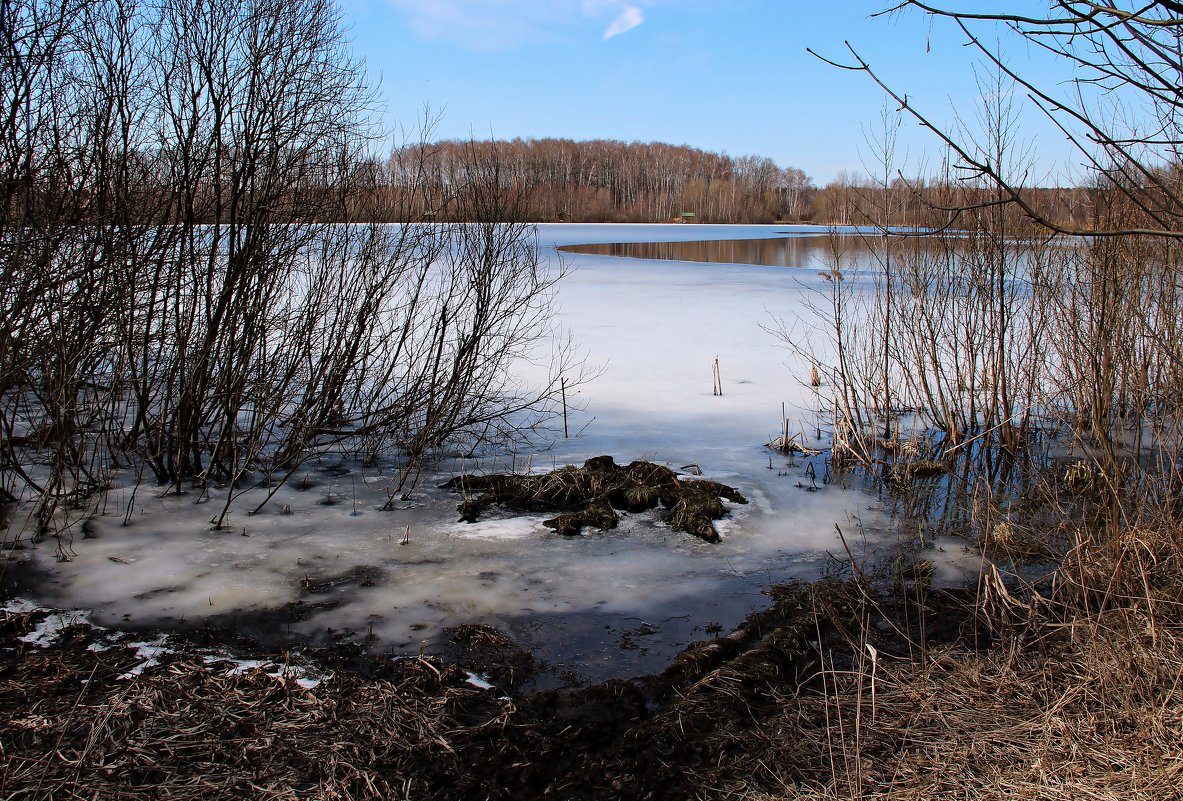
x: 1144, y: 563
x: 1010, y: 539
x: 1072, y: 700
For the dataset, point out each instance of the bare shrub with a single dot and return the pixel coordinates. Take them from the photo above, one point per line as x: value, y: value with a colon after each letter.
x: 196, y: 278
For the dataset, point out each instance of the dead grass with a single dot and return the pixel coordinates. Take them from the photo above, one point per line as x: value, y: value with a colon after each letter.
x: 194, y: 731
x: 1094, y: 722
x: 1071, y: 701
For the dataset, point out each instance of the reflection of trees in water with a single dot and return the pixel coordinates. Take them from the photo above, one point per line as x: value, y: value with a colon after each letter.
x: 793, y: 251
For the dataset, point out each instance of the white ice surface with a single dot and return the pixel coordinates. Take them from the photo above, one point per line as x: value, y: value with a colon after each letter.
x: 655, y: 329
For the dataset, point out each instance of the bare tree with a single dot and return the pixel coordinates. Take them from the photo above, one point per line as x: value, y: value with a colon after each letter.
x: 196, y: 281
x: 1013, y: 321
x: 1119, y: 52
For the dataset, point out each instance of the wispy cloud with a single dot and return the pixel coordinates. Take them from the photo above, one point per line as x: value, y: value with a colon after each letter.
x: 480, y: 24
x: 489, y: 25
x: 630, y: 17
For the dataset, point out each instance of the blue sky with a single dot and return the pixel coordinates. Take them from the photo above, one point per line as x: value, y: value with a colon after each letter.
x: 731, y: 76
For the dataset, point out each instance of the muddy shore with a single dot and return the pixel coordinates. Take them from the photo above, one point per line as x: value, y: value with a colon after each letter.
x: 833, y: 690
x: 461, y: 725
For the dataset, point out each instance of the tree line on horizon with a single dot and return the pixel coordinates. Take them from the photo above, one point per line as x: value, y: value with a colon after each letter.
x: 613, y: 181
x: 601, y: 180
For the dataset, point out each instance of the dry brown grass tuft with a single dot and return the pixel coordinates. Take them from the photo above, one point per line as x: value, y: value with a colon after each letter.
x: 1069, y: 702
x: 1143, y: 565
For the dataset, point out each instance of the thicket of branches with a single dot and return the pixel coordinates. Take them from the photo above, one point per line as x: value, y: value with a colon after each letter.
x: 1017, y: 379
x: 1021, y: 337
x: 179, y: 296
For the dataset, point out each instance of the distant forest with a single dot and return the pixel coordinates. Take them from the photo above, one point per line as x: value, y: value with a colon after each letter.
x: 563, y: 180
x: 609, y: 181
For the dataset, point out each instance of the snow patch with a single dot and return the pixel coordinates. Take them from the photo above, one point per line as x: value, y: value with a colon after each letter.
x: 49, y: 630
x: 19, y: 606
x: 149, y: 653
x: 302, y: 676
x: 479, y: 682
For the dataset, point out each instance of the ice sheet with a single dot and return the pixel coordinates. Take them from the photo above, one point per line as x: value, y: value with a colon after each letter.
x: 319, y: 572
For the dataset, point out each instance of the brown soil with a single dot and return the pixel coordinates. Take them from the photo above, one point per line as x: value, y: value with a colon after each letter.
x: 411, y: 727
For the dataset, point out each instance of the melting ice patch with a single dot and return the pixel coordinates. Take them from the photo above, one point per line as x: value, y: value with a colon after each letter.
x: 303, y: 676
x: 49, y: 630
x: 504, y: 528
x: 149, y: 654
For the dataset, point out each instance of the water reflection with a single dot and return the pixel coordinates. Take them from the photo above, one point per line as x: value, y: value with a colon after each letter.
x: 793, y: 251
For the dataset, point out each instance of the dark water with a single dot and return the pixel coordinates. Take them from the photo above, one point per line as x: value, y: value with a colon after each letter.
x: 790, y: 251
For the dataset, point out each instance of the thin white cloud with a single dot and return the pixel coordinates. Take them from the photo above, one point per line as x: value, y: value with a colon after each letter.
x: 481, y: 24
x: 490, y: 25
x: 630, y: 17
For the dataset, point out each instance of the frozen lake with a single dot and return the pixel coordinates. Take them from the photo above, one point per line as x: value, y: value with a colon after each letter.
x: 321, y: 561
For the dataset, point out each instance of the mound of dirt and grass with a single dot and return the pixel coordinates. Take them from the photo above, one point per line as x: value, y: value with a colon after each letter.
x: 590, y: 496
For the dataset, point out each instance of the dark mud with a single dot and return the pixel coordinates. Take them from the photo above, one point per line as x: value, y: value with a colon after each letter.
x: 451, y: 726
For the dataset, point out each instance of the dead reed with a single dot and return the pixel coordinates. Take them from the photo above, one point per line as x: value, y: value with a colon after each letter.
x: 1078, y: 695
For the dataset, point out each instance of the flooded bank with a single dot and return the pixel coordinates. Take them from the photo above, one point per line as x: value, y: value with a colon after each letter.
x: 322, y: 562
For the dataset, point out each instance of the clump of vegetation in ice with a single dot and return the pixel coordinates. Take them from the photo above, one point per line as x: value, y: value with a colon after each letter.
x: 590, y: 496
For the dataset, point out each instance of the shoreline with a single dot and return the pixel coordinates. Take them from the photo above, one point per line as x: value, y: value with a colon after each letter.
x: 834, y: 691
